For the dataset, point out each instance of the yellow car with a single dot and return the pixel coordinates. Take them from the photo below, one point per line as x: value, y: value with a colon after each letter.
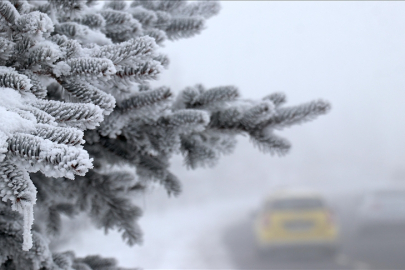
x: 295, y: 220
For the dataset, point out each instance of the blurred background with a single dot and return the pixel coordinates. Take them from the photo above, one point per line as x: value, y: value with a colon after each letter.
x: 345, y: 171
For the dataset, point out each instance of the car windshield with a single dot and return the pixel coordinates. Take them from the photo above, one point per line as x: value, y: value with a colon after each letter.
x: 295, y: 204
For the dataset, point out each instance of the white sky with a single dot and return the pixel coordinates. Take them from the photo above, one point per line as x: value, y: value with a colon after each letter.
x: 349, y: 53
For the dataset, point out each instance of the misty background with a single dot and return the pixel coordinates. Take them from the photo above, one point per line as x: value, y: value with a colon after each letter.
x: 348, y: 53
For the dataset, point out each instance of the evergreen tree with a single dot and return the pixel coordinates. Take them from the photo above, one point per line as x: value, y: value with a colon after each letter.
x: 76, y: 104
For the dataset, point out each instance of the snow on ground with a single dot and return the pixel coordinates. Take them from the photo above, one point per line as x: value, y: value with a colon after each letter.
x: 186, y: 237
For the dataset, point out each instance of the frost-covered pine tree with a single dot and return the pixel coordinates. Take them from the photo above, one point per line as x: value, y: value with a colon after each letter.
x: 82, y: 130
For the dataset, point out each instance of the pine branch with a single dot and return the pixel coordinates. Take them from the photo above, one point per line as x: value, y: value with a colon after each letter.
x: 152, y: 167
x: 140, y: 48
x: 52, y: 159
x: 296, y: 115
x: 37, y: 88
x: 89, y: 94
x: 144, y: 99
x: 185, y: 121
x: 108, y: 209
x: 33, y: 24
x: 92, y: 20
x: 157, y: 34
x: 277, y: 98
x: 42, y: 54
x: 41, y: 116
x: 167, y: 6
x: 115, y: 5
x: 146, y: 17
x: 270, y: 143
x: 11, y: 237
x: 72, y: 30
x: 11, y: 79
x: 79, y: 115
x: 199, y: 98
x: 120, y: 26
x: 162, y: 58
x: 22, y: 6
x: 8, y: 12
x: 6, y: 50
x: 68, y: 9
x: 196, y: 153
x: 184, y: 27
x: 257, y: 114
x: 119, y: 147
x: 64, y: 260
x: 172, y: 185
x: 60, y: 59
x: 89, y: 66
x: 206, y: 9
x: 96, y: 262
x: 139, y: 72
x: 16, y: 186
x: 21, y: 47
x: 227, y: 119
x: 60, y: 135
x: 71, y: 48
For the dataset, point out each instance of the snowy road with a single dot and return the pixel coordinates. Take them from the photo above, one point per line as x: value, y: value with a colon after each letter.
x: 239, y: 241
x: 218, y: 235
x: 187, y: 237
x: 382, y: 249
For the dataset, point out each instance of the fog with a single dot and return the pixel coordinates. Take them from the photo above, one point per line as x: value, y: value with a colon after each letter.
x: 349, y: 53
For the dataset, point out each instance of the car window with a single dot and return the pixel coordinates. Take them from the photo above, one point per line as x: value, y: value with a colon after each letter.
x: 295, y: 204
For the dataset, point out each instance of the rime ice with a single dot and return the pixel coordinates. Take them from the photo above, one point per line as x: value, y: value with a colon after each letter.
x: 75, y: 96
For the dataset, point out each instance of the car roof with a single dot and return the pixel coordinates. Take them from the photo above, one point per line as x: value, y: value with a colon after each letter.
x: 294, y: 194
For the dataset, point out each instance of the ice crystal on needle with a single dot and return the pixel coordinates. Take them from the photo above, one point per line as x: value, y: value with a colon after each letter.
x: 75, y: 101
